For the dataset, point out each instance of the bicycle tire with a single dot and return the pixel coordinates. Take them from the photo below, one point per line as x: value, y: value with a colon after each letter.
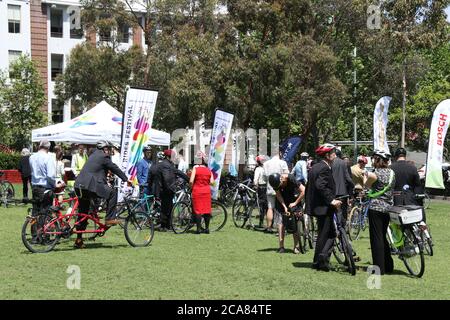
x: 412, y: 254
x: 218, y: 216
x: 348, y: 252
x: 10, y: 192
x: 122, y: 213
x: 142, y: 225
x: 301, y: 233
x: 354, y: 223
x: 47, y: 242
x: 312, y: 232
x: 427, y: 244
x: 338, y: 251
x: 239, y: 213
x: 181, y: 217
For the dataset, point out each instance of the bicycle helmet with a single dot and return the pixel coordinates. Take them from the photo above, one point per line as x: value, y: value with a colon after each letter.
x: 160, y: 155
x: 103, y: 144
x: 363, y: 159
x: 275, y: 181
x: 382, y: 154
x: 304, y: 155
x: 116, y: 146
x: 322, y: 150
x: 261, y: 159
x: 399, y: 152
x: 147, y: 148
x: 168, y: 153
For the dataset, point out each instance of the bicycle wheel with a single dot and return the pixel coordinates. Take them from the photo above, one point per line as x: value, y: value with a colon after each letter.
x: 218, y: 216
x: 301, y: 232
x: 239, y: 213
x: 228, y: 198
x: 181, y: 217
x: 122, y: 213
x: 354, y: 223
x: 348, y: 253
x: 139, y: 229
x: 412, y: 254
x: 39, y: 233
x: 338, y: 251
x: 312, y: 225
x: 427, y: 243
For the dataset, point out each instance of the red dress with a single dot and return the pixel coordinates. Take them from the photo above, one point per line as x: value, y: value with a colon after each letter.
x: 201, y: 190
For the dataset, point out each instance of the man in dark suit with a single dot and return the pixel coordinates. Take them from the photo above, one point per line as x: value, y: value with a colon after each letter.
x: 91, y: 183
x: 321, y: 202
x: 343, y: 181
x: 167, y: 177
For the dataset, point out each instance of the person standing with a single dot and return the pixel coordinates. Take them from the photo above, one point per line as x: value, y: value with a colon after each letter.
x: 79, y: 159
x: 201, y: 180
x: 143, y: 168
x: 383, y: 179
x: 167, y: 178
x: 343, y: 181
x: 25, y: 172
x: 260, y: 182
x: 321, y: 202
x: 407, y: 180
x: 182, y: 164
x: 92, y: 183
x: 300, y: 170
x: 358, y: 172
x: 273, y: 166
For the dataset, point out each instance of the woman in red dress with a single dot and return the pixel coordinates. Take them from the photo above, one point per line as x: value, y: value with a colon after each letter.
x: 201, y: 180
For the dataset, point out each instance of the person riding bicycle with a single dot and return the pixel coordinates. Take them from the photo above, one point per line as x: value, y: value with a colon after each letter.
x: 407, y: 182
x: 289, y: 194
x: 321, y: 203
x: 381, y: 182
x: 92, y: 183
x: 260, y: 182
x: 300, y: 170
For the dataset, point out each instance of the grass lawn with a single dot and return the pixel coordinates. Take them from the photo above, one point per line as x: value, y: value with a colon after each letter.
x: 230, y: 264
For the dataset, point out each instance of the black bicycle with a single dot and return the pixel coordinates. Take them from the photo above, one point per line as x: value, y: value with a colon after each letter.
x: 246, y: 208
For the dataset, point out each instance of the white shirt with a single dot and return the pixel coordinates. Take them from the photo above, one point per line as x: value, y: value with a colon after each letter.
x: 260, y: 176
x: 183, y: 166
x: 275, y: 165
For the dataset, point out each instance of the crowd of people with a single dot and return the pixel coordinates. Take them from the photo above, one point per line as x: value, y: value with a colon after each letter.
x: 319, y: 186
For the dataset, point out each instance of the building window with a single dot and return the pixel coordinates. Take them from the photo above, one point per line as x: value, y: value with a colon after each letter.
x: 13, y: 18
x: 56, y: 23
x: 105, y: 34
x: 57, y: 65
x: 123, y: 33
x: 13, y: 56
x: 57, y: 111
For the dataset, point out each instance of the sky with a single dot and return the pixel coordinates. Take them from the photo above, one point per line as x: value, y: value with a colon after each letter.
x: 447, y: 11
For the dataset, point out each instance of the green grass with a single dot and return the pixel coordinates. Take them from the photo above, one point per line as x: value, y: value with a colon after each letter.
x: 230, y: 264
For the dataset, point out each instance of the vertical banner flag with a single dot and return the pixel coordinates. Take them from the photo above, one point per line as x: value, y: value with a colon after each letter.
x: 438, y: 131
x: 380, y: 121
x: 137, y: 121
x: 219, y: 139
x: 289, y: 147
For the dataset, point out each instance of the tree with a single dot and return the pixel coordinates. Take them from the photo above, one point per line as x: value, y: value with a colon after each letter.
x: 22, y: 98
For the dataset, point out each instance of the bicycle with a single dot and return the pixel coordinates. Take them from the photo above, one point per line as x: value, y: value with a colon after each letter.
x: 306, y: 230
x: 404, y: 237
x: 358, y: 219
x: 342, y: 248
x: 41, y: 233
x: 182, y: 218
x: 243, y: 210
x: 7, y: 191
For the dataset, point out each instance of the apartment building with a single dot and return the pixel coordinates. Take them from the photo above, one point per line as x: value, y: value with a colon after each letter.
x: 47, y: 30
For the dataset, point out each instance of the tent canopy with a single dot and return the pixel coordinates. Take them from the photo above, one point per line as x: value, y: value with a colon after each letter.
x: 100, y: 122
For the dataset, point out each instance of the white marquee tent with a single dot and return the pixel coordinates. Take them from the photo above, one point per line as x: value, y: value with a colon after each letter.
x: 100, y: 122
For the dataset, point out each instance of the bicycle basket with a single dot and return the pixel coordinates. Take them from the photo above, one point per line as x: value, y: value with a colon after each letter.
x: 404, y: 215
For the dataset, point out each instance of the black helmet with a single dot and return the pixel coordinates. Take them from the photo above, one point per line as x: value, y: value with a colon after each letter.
x: 399, y: 152
x: 147, y: 148
x: 275, y: 180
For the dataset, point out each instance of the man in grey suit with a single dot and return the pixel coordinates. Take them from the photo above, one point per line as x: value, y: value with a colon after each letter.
x: 343, y: 181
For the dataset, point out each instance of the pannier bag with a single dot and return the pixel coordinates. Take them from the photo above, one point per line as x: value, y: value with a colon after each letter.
x: 403, y: 215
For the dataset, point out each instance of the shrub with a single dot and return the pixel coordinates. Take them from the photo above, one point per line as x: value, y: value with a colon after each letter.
x: 9, y: 161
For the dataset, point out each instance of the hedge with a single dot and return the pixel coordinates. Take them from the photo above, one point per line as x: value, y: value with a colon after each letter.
x: 9, y: 161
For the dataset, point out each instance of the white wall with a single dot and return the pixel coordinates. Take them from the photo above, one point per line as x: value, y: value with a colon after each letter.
x: 14, y: 41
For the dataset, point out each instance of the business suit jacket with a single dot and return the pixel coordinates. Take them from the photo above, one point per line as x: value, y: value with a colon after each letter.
x: 320, y: 190
x: 93, y: 175
x: 343, y: 181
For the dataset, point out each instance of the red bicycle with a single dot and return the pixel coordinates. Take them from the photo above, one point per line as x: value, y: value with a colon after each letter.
x: 41, y: 233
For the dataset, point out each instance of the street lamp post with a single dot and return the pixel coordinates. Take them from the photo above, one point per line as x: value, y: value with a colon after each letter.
x: 355, y: 133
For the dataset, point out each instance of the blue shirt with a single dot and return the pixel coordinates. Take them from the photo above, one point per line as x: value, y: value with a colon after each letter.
x: 300, y: 171
x: 142, y: 170
x: 43, y: 170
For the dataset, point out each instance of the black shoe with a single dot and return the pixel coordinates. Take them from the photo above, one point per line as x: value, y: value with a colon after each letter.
x: 205, y: 231
x: 315, y: 265
x: 198, y: 232
x: 324, y: 267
